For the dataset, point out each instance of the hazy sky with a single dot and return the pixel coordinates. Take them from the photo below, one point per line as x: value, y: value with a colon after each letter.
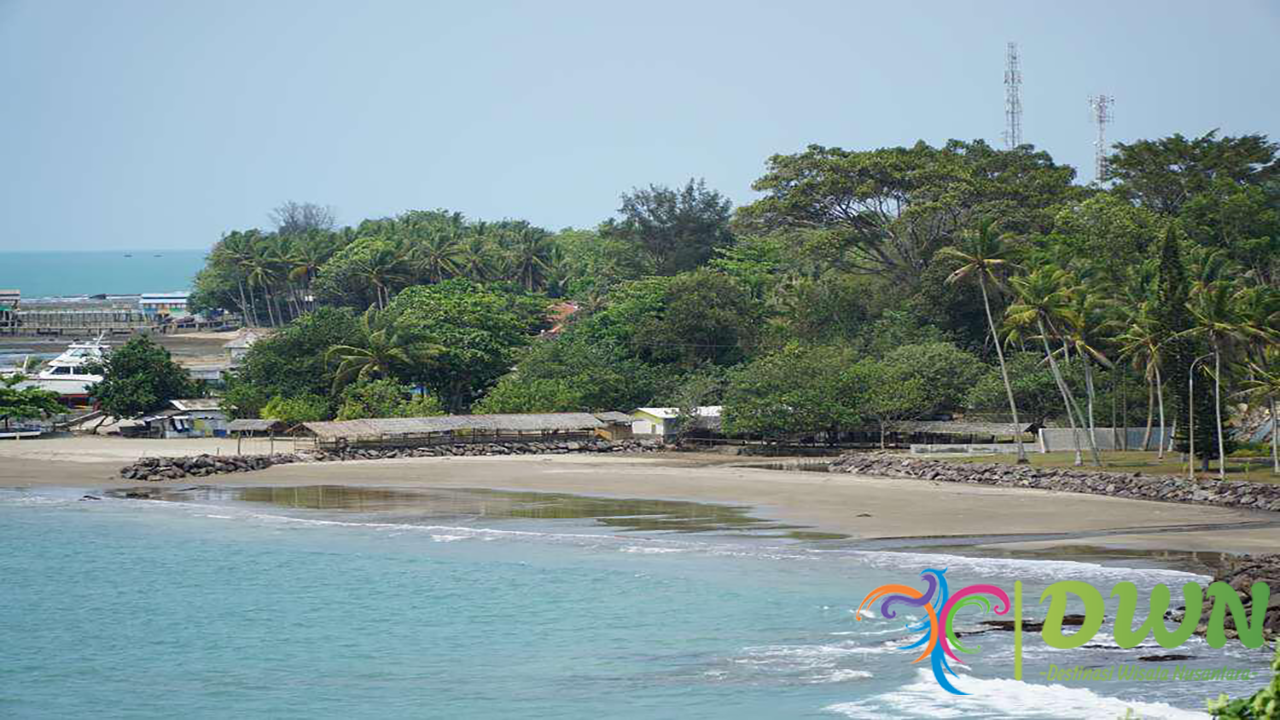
x: 164, y: 124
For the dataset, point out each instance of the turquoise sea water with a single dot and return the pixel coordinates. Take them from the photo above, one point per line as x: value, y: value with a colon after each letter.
x: 216, y: 608
x: 50, y: 274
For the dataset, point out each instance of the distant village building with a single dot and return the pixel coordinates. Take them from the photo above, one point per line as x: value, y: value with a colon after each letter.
x: 238, y: 346
x: 617, y: 425
x: 170, y: 304
x: 188, y: 418
x: 9, y: 301
x: 666, y: 422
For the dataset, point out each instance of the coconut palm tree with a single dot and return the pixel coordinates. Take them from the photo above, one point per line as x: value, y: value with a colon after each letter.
x: 262, y: 274
x: 380, y: 349
x: 1263, y: 386
x: 309, y: 253
x: 1142, y: 342
x: 476, y: 261
x: 231, y: 254
x: 436, y: 257
x: 382, y: 269
x: 1086, y: 322
x: 983, y: 259
x: 1214, y: 308
x: 530, y: 257
x: 1041, y: 297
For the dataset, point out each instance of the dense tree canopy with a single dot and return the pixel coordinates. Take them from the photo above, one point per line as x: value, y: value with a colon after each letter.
x: 139, y: 377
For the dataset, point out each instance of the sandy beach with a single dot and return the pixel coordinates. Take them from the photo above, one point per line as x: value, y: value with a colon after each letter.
x: 864, y: 508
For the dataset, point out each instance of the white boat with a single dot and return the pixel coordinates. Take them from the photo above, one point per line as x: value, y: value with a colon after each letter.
x: 70, y: 373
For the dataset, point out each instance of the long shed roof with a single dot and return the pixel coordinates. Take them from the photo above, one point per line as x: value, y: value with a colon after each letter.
x: 377, y: 427
x: 955, y: 427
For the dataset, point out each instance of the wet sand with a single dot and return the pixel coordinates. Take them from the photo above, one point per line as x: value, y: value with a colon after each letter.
x: 863, y: 508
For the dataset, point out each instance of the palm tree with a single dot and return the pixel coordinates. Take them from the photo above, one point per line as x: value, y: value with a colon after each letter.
x: 476, y: 259
x: 1085, y: 323
x: 231, y: 254
x: 436, y: 258
x: 381, y: 348
x: 983, y: 259
x: 1041, y: 297
x: 382, y: 269
x: 1142, y: 342
x: 1263, y: 386
x: 309, y: 253
x: 531, y: 257
x: 261, y: 273
x: 1218, y: 322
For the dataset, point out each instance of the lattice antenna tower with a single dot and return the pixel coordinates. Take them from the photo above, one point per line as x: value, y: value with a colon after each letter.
x: 1012, y: 98
x: 1100, y: 105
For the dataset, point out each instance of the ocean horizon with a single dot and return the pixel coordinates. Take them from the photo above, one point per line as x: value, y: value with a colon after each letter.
x: 72, y: 273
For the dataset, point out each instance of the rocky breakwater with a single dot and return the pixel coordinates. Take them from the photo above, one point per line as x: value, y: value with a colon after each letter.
x: 1241, y: 573
x: 174, y: 468
x: 1165, y: 488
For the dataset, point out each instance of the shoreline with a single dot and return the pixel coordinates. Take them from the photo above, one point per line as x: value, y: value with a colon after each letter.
x: 869, y: 510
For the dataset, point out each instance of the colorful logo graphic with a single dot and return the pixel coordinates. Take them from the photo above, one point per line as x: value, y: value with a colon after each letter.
x: 940, y: 606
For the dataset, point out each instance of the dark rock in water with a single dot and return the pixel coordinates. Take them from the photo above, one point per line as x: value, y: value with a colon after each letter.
x: 90, y: 497
x: 1165, y: 658
x: 1033, y: 625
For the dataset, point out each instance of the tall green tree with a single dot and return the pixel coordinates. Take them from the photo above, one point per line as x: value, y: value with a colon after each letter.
x: 678, y: 229
x: 138, y: 377
x: 25, y: 403
x: 1174, y: 321
x: 381, y: 349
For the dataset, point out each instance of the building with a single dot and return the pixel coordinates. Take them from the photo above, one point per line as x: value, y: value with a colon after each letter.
x: 617, y: 425
x: 161, y: 305
x: 666, y: 422
x: 9, y: 301
x: 188, y: 418
x: 238, y: 346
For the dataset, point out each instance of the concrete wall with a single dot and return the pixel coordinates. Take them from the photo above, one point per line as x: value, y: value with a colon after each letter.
x: 1059, y: 439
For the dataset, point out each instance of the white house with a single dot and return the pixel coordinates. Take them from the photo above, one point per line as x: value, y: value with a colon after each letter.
x: 665, y: 422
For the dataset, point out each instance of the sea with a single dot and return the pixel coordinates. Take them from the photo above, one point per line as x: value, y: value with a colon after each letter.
x: 331, y: 602
x: 43, y: 274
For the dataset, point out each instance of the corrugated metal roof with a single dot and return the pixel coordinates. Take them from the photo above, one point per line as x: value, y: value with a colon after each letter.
x: 376, y: 427
x: 253, y: 425
x: 189, y: 404
x: 954, y: 427
x: 666, y: 413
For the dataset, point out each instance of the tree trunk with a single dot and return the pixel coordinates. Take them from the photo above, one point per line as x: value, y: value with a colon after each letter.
x: 1151, y: 411
x: 1164, y: 429
x: 1004, y: 372
x: 244, y: 305
x: 1275, y: 440
x: 882, y: 445
x: 1062, y: 388
x: 1217, y: 411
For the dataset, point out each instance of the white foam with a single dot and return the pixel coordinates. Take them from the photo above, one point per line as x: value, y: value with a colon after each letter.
x: 1034, y: 570
x: 840, y: 675
x: 999, y: 698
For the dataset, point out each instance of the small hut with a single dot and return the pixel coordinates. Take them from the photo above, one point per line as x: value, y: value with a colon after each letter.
x: 617, y: 425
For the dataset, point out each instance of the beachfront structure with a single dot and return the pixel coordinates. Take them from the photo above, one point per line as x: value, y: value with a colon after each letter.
x: 617, y: 425
x: 666, y: 422
x: 255, y: 427
x: 170, y: 304
x: 188, y: 418
x: 448, y: 429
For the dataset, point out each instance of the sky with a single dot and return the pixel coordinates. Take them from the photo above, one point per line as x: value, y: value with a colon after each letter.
x: 164, y: 124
